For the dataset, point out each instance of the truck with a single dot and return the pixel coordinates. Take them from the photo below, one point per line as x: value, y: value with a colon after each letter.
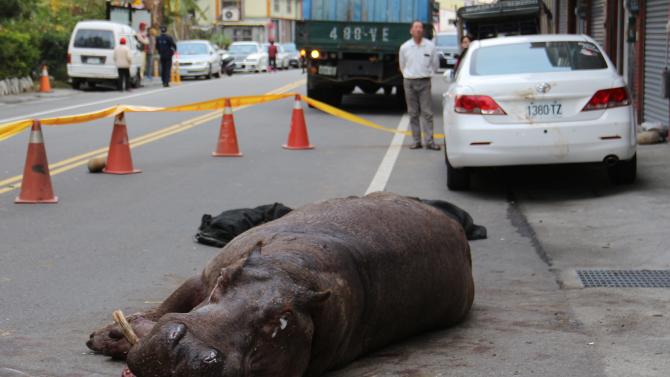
x: 504, y: 18
x: 355, y: 43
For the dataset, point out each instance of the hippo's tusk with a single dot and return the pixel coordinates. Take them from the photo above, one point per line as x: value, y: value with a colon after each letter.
x: 127, y: 330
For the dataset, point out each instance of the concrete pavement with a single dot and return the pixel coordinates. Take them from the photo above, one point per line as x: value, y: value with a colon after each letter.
x: 125, y: 242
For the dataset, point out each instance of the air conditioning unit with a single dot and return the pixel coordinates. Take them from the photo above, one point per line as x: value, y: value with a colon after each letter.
x: 230, y: 14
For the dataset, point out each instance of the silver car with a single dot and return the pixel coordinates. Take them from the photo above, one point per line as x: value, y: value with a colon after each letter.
x: 448, y: 48
x: 198, y: 58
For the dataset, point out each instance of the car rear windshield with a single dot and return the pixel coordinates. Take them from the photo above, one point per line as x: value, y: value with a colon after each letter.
x: 192, y: 48
x: 536, y: 57
x: 243, y: 49
x: 446, y: 40
x: 88, y: 38
x: 289, y: 47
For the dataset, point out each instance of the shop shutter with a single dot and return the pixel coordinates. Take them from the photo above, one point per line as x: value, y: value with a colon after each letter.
x: 598, y: 12
x: 655, y: 106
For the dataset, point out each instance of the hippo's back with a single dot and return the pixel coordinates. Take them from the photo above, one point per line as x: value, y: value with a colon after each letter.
x: 396, y: 267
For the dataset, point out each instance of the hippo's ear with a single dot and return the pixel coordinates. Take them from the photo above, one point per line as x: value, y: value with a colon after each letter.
x: 312, y: 299
x: 226, y: 277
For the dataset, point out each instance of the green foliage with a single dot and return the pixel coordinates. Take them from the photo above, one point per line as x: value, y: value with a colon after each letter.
x: 32, y: 33
x: 18, y: 53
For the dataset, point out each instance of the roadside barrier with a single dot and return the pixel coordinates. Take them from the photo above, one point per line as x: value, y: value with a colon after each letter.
x: 36, y: 184
x: 119, y: 160
x: 45, y: 85
x: 227, y: 145
x: 297, y: 137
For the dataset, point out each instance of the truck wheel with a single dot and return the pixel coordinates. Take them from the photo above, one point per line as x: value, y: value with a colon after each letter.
x: 76, y: 84
x: 368, y: 87
x: 400, y: 97
x: 331, y: 96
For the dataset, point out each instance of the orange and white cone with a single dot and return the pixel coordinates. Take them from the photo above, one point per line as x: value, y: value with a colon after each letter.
x: 227, y: 145
x: 119, y: 160
x: 45, y: 85
x: 297, y: 137
x: 36, y: 184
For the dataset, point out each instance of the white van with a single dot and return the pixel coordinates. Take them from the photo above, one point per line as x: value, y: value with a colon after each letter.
x: 90, y: 55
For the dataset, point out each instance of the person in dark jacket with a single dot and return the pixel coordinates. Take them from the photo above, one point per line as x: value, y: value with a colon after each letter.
x: 166, y: 48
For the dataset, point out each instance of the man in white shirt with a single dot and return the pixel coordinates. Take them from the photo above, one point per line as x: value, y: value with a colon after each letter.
x: 418, y: 61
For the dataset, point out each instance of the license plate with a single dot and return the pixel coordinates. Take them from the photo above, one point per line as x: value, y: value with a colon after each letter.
x: 544, y: 110
x: 93, y: 61
x: 327, y: 70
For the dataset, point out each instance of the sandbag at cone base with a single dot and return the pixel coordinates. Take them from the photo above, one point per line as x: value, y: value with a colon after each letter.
x: 36, y: 184
x: 119, y: 160
x: 227, y: 144
x: 297, y: 137
x: 45, y: 85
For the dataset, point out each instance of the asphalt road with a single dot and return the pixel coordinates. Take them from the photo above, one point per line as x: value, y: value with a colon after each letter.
x: 126, y: 241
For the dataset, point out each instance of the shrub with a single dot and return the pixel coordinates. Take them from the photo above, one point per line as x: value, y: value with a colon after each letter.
x: 19, y: 53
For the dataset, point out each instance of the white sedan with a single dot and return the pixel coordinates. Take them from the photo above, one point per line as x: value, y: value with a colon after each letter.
x: 537, y: 100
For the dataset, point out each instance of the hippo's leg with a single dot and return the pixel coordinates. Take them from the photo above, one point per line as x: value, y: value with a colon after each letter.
x: 110, y: 341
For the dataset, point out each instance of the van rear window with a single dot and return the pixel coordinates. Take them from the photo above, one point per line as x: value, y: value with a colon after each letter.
x: 87, y: 38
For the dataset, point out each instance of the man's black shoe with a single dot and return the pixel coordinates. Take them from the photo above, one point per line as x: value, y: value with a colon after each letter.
x: 415, y: 146
x: 166, y: 85
x: 433, y: 147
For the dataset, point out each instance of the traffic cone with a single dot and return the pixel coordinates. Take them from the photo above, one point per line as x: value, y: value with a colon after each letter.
x: 45, y: 86
x: 36, y: 183
x: 227, y: 145
x: 119, y: 160
x: 297, y: 137
x: 176, y: 77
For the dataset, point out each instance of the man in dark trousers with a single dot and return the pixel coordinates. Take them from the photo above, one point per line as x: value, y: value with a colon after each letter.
x: 166, y: 48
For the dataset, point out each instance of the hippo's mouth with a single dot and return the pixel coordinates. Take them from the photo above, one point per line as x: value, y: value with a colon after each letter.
x: 172, y: 350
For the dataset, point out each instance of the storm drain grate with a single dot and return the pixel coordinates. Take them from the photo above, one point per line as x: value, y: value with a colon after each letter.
x: 625, y: 278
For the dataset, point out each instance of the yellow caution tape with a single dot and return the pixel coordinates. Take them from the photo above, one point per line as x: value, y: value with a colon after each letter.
x: 8, y: 130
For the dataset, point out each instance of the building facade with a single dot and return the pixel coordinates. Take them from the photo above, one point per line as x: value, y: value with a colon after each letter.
x: 636, y: 36
x: 254, y: 20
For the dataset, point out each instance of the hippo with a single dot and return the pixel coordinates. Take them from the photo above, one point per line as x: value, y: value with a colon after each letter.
x: 307, y: 293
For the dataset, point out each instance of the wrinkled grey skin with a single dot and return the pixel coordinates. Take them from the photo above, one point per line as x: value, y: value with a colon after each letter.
x: 307, y: 293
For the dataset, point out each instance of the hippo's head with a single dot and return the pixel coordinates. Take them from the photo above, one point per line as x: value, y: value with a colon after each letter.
x: 254, y: 323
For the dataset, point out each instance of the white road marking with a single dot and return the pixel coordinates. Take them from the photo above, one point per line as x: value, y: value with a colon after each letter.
x: 29, y: 116
x: 386, y: 167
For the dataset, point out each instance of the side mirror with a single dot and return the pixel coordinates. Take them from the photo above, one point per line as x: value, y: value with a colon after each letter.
x: 448, y: 75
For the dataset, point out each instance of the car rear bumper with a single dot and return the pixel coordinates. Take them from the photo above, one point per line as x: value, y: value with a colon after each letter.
x: 192, y: 71
x: 473, y: 142
x: 90, y: 71
x: 246, y: 67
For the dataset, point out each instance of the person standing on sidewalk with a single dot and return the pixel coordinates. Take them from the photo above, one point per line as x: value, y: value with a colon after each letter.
x: 272, y: 56
x: 418, y: 62
x: 143, y: 39
x: 123, y: 61
x: 166, y: 48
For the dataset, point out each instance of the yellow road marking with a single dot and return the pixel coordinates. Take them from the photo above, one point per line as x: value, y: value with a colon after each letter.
x: 13, y: 183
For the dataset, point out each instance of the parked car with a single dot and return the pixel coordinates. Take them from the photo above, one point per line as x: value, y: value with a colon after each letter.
x: 90, y: 54
x: 537, y: 100
x: 198, y: 58
x: 448, y: 48
x: 249, y: 56
x: 282, y: 56
x: 293, y: 54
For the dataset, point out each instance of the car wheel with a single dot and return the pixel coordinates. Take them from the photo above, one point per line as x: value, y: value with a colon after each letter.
x: 209, y: 73
x: 624, y: 172
x: 457, y: 179
x: 218, y: 73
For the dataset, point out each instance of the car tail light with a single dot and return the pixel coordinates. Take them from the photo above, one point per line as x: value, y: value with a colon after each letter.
x: 608, y: 98
x: 484, y: 105
x: 69, y: 58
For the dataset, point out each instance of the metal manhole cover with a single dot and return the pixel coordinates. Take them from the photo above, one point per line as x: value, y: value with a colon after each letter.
x: 625, y: 278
